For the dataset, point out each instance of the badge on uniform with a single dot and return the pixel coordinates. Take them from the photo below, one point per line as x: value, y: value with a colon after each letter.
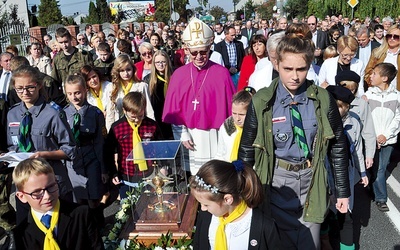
x: 281, y: 137
x: 279, y: 119
x: 253, y: 243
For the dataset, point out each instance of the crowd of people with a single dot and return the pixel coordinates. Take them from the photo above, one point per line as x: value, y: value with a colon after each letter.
x: 279, y: 120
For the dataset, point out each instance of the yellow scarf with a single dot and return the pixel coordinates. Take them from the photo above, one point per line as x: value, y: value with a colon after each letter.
x: 220, y: 237
x: 98, y: 98
x: 138, y: 152
x: 127, y: 88
x: 165, y: 83
x: 236, y: 142
x: 49, y: 242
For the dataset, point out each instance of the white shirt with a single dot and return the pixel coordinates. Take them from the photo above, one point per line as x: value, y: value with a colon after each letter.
x: 365, y: 53
x: 4, y: 86
x: 237, y: 232
x: 392, y: 58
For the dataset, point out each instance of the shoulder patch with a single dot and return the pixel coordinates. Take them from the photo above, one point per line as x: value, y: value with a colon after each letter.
x: 55, y: 106
x: 2, y: 103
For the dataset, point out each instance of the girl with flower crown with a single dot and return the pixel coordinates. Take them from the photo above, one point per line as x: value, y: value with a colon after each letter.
x: 229, y: 217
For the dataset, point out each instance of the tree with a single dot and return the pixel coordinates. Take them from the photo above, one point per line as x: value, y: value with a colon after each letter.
x: 10, y: 17
x: 49, y: 13
x: 295, y: 8
x: 235, y: 2
x: 93, y: 16
x: 247, y: 11
x: 265, y: 10
x: 203, y: 2
x: 217, y: 12
x: 104, y: 11
x: 163, y: 10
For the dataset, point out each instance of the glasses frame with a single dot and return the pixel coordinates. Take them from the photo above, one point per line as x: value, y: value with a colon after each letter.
x: 195, y: 53
x: 29, y: 89
x: 351, y: 56
x: 40, y: 193
x: 146, y: 54
x: 393, y: 36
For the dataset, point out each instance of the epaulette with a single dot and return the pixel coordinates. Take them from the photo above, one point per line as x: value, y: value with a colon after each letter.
x: 55, y: 106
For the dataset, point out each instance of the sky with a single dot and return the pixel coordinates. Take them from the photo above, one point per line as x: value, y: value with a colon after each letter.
x: 69, y: 7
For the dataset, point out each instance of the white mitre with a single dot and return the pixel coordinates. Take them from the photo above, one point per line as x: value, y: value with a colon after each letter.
x: 197, y: 34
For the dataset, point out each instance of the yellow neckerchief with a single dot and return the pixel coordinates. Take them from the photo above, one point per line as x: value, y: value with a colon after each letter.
x: 127, y: 88
x: 236, y: 142
x: 137, y: 147
x: 49, y: 242
x: 165, y: 83
x: 98, y: 98
x: 220, y: 237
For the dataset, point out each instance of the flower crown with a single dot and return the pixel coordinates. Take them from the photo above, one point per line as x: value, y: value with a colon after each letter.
x: 201, y: 183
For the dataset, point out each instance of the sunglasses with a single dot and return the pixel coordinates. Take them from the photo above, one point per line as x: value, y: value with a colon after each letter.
x: 393, y: 36
x: 147, y: 54
x: 195, y: 53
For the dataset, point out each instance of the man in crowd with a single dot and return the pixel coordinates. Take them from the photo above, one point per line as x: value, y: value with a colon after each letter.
x: 198, y: 99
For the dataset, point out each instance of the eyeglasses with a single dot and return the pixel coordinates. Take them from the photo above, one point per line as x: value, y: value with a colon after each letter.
x: 311, y: 23
x: 393, y: 36
x: 30, y: 89
x: 81, y: 39
x: 348, y: 55
x: 147, y: 54
x: 37, y: 195
x: 160, y: 62
x: 195, y: 53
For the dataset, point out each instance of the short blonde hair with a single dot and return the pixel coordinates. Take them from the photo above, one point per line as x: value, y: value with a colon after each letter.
x: 330, y: 52
x: 29, y: 167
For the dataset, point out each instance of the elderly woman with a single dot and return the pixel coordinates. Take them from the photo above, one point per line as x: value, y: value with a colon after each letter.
x: 258, y: 50
x: 38, y: 60
x: 387, y: 52
x: 347, y: 47
x: 143, y: 67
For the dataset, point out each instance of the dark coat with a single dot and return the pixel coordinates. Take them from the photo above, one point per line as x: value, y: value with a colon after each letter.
x: 263, y: 232
x: 240, y: 53
x: 75, y: 230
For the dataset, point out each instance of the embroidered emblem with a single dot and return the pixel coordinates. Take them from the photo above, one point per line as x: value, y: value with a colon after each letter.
x: 281, y: 137
x: 253, y: 243
x: 279, y: 119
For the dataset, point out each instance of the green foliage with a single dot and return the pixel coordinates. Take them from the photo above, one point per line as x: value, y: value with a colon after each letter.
x: 295, y: 8
x: 265, y: 10
x: 235, y: 2
x: 104, y: 11
x: 382, y: 8
x: 203, y: 2
x: 49, y: 13
x: 248, y: 9
x: 11, y: 17
x: 68, y: 20
x: 163, y: 10
x: 93, y: 16
x: 217, y: 12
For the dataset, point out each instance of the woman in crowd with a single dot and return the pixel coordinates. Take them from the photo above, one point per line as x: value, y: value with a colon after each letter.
x: 387, y: 52
x: 347, y: 47
x: 378, y: 31
x: 158, y: 81
x: 124, y: 81
x: 258, y: 50
x: 143, y: 67
x: 38, y: 60
x: 99, y: 89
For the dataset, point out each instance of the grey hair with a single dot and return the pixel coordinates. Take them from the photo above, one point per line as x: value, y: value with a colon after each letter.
x: 387, y: 19
x: 274, y: 40
x: 145, y: 45
x: 362, y: 30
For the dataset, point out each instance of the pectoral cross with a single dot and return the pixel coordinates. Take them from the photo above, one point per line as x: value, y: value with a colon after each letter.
x: 195, y: 102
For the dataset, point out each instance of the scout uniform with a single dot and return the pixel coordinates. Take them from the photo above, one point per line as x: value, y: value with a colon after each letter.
x: 86, y: 169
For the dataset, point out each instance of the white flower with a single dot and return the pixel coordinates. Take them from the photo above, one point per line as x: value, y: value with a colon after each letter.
x: 117, y: 225
x: 171, y: 248
x: 120, y: 214
x: 125, y: 206
x: 122, y: 244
